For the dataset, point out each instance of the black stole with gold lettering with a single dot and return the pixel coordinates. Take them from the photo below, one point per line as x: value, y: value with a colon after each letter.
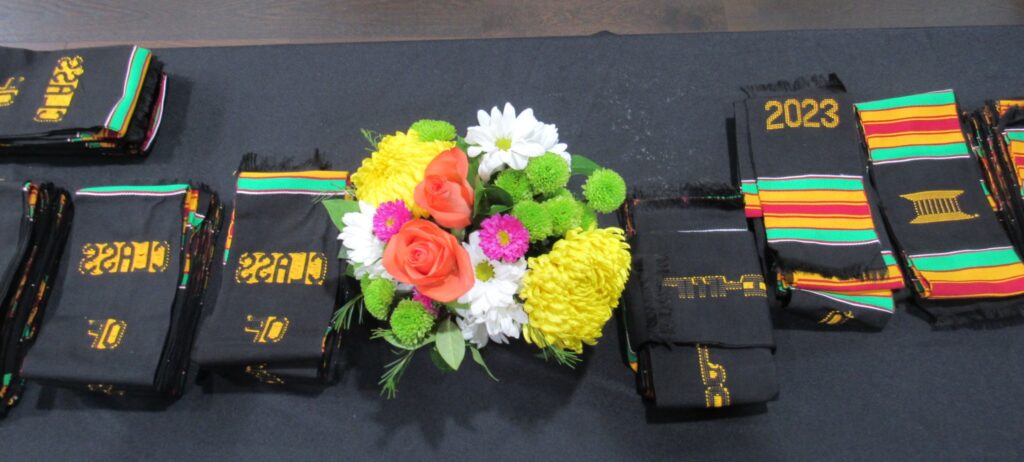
x: 137, y: 265
x: 97, y: 100
x: 34, y: 227
x: 698, y: 327
x: 280, y: 281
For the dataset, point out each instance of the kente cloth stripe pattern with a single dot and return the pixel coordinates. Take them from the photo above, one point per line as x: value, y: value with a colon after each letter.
x: 916, y: 127
x: 969, y: 273
x: 878, y: 300
x: 812, y: 281
x: 751, y: 199
x: 312, y: 182
x: 816, y: 209
x: 137, y: 66
x: 1015, y: 146
x: 937, y: 206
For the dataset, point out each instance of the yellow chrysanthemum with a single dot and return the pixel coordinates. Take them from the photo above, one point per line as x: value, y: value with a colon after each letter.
x: 395, y: 168
x: 571, y: 291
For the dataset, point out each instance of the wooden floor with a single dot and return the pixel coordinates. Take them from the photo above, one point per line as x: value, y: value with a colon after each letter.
x: 47, y: 24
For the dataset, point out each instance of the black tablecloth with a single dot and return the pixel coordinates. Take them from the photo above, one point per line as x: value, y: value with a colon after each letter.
x: 651, y: 107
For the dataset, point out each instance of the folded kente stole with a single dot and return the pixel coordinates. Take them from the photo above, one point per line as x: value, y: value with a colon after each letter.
x: 804, y: 190
x: 995, y: 133
x: 698, y: 328
x: 280, y: 286
x: 34, y: 226
x: 137, y: 266
x: 937, y: 208
x: 96, y: 100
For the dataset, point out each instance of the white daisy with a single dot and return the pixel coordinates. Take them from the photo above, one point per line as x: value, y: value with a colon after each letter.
x: 497, y: 325
x: 364, y: 251
x: 507, y: 139
x: 496, y: 282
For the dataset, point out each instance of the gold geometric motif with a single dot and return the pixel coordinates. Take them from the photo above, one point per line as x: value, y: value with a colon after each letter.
x: 937, y: 206
x: 836, y: 317
x: 713, y: 375
x: 106, y: 333
x: 8, y: 91
x: 692, y: 287
x: 270, y: 329
x: 261, y: 373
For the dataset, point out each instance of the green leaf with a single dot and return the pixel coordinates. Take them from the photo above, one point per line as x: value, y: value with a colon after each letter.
x: 498, y: 196
x: 337, y: 208
x: 583, y: 166
x: 438, y: 361
x: 479, y: 359
x: 461, y: 143
x: 496, y: 209
x: 350, y: 269
x: 450, y: 344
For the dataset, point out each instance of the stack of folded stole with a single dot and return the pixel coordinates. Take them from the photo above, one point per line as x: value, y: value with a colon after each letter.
x: 804, y: 191
x: 962, y: 263
x: 698, y: 327
x: 280, y: 289
x: 137, y: 267
x: 95, y: 100
x: 35, y: 224
x: 996, y: 137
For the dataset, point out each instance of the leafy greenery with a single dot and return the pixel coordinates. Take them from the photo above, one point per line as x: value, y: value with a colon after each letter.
x: 583, y: 166
x: 393, y: 372
x: 550, y: 352
x: 372, y: 138
x: 337, y: 208
x: 479, y: 359
x: 343, y: 316
x: 450, y: 344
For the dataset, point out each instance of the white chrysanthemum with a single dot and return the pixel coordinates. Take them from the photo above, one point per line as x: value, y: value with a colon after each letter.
x: 506, y: 139
x: 497, y: 325
x: 496, y: 282
x: 364, y: 251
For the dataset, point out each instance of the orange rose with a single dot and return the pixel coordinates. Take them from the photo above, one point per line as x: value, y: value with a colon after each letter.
x: 431, y: 259
x: 444, y: 191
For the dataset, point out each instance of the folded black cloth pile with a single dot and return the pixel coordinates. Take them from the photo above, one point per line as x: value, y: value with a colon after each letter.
x: 995, y: 133
x: 79, y: 101
x: 698, y: 328
x: 34, y: 225
x: 138, y: 264
x: 802, y: 176
x: 280, y: 289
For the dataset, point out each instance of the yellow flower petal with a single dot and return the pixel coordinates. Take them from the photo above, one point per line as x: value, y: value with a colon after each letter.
x: 395, y: 168
x: 571, y: 291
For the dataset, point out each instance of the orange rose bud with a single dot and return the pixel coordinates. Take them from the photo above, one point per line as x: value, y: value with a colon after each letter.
x: 444, y: 192
x: 431, y: 259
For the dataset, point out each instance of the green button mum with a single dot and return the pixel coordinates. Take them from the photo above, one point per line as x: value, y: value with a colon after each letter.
x: 377, y: 296
x: 410, y: 322
x: 605, y: 190
x: 547, y: 173
x: 535, y: 218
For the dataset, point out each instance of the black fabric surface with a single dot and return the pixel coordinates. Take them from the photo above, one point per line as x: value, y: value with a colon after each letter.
x: 653, y: 108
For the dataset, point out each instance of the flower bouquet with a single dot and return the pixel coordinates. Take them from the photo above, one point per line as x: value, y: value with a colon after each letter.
x: 457, y: 242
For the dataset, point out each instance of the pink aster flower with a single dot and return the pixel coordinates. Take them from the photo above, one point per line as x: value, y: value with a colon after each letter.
x: 389, y: 219
x: 503, y: 237
x: 428, y: 303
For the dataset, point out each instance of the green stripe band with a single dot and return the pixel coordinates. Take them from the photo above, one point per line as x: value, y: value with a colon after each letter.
x: 1015, y: 135
x: 137, y: 188
x: 135, y: 76
x: 929, y: 150
x: 965, y: 260
x: 297, y: 184
x: 748, y: 188
x: 888, y: 259
x: 827, y: 235
x: 798, y: 184
x: 924, y: 99
x: 881, y: 302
